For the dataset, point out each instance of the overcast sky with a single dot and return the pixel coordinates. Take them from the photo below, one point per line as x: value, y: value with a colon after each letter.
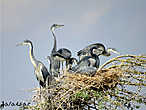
x: 115, y: 23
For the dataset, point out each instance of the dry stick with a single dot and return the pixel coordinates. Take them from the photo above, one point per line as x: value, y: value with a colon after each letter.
x: 117, y: 58
x: 135, y: 72
x: 130, y: 94
x: 112, y: 101
x: 126, y: 91
x: 62, y: 98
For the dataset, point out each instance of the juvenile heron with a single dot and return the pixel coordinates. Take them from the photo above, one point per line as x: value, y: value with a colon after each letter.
x: 62, y: 54
x: 41, y: 72
x: 88, y: 64
x: 101, y: 48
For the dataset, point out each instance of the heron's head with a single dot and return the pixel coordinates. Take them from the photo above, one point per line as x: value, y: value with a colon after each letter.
x: 25, y: 42
x: 73, y: 60
x: 98, y: 49
x: 55, y: 26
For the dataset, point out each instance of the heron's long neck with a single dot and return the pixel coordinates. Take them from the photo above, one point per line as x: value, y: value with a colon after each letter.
x: 32, y: 58
x: 55, y: 44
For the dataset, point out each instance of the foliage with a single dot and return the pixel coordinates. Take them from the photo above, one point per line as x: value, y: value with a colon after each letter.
x: 118, y: 84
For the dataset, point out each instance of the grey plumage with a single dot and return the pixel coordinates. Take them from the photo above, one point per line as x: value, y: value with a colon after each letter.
x: 65, y: 53
x: 53, y: 66
x: 101, y: 48
x: 89, y: 58
x: 87, y: 50
x: 86, y: 71
x: 41, y: 71
x: 85, y: 66
x: 61, y: 55
x: 88, y: 64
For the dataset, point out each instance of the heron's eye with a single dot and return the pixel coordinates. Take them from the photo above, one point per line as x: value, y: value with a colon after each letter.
x: 95, y: 51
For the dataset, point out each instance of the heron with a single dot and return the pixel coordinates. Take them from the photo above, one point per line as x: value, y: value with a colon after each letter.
x: 61, y: 55
x: 88, y: 64
x: 101, y: 48
x: 41, y: 72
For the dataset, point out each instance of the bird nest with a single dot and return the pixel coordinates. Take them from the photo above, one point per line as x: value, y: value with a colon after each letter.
x: 117, y: 84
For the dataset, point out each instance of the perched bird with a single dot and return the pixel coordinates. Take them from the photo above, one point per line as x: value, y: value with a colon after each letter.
x: 88, y: 64
x: 101, y: 48
x: 41, y: 72
x: 61, y: 55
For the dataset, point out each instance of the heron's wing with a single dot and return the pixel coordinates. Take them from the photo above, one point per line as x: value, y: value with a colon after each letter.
x: 65, y: 52
x: 54, y: 67
x: 83, y: 52
x: 57, y: 54
x: 39, y: 73
x: 43, y: 72
x: 86, y: 50
x: 81, y: 64
x: 87, y: 70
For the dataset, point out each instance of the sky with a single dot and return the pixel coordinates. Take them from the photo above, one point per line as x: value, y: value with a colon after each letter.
x: 119, y: 24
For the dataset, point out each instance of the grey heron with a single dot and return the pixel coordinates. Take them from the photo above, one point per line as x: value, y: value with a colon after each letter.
x: 41, y: 72
x: 60, y: 55
x: 105, y: 52
x: 88, y: 64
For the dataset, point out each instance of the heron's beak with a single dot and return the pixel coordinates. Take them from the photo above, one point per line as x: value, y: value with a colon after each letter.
x: 58, y: 26
x: 116, y: 52
x: 113, y: 50
x: 109, y: 50
x: 19, y: 44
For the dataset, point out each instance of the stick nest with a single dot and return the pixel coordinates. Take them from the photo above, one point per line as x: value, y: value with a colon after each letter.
x: 117, y: 84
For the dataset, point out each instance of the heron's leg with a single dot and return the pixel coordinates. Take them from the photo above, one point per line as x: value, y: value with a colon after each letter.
x: 67, y: 65
x: 59, y: 71
x: 62, y: 67
x: 40, y: 92
x: 48, y: 82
